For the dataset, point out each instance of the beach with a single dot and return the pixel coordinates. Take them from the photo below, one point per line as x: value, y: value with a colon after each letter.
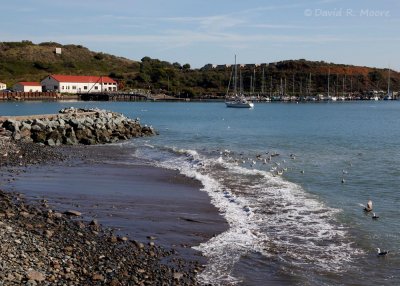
x: 147, y: 215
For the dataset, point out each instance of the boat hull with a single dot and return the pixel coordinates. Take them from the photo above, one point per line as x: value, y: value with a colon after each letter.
x: 235, y: 104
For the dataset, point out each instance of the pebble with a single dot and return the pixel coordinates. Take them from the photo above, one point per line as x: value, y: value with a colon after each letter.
x: 41, y: 246
x: 35, y: 276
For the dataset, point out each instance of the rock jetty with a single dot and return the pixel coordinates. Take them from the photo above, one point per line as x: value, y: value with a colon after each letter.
x: 74, y: 126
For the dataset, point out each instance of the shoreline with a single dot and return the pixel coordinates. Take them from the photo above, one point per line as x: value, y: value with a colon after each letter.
x: 168, y: 245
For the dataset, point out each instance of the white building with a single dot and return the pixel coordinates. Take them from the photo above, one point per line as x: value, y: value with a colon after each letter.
x: 3, y: 86
x: 27, y: 86
x: 78, y: 84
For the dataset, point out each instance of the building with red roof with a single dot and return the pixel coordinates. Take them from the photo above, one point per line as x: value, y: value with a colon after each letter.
x: 78, y: 83
x: 27, y: 86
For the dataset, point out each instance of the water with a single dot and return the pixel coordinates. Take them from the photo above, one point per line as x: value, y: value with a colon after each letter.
x: 275, y: 173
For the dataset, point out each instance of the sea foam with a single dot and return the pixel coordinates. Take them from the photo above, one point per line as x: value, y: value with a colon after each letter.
x: 266, y: 214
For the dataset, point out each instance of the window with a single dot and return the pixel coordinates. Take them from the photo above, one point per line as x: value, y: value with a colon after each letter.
x: 56, y: 87
x: 96, y: 87
x: 74, y: 87
x: 62, y: 87
x: 85, y: 87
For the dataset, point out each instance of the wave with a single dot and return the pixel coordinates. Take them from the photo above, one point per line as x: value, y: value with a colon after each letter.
x: 266, y: 214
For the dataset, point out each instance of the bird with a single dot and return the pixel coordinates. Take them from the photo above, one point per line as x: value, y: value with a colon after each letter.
x: 374, y: 216
x: 382, y: 253
x: 343, y: 181
x: 368, y: 208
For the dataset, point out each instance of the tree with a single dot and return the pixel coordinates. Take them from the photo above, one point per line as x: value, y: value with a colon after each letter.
x: 177, y: 65
x: 375, y: 76
x: 186, y: 67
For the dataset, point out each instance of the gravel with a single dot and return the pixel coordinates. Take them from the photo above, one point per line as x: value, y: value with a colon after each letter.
x: 40, y: 246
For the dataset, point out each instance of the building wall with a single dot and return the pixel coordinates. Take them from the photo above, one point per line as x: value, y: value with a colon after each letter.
x: 50, y: 84
x: 26, y: 88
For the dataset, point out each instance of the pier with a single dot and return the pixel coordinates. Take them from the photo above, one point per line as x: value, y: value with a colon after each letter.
x: 134, y: 95
x: 114, y: 96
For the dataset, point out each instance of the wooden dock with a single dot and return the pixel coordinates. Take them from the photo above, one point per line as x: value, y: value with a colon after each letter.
x: 114, y: 96
x: 127, y: 96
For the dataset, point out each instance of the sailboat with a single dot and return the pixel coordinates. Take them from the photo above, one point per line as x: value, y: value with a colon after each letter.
x: 238, y: 101
x: 389, y: 94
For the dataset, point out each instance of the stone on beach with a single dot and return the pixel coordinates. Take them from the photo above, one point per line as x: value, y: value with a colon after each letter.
x: 73, y: 213
x: 35, y: 276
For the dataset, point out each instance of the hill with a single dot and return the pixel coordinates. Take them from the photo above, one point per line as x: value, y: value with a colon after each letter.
x: 26, y: 61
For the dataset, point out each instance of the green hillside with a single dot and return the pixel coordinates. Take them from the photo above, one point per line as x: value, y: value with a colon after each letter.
x: 26, y: 61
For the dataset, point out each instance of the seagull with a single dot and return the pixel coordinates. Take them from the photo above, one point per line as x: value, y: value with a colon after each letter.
x: 343, y: 181
x: 374, y: 216
x: 368, y: 208
x: 382, y: 253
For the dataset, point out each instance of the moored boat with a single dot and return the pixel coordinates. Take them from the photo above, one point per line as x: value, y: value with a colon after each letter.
x: 239, y: 100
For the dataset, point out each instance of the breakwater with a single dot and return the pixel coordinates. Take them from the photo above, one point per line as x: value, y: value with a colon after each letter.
x: 73, y: 126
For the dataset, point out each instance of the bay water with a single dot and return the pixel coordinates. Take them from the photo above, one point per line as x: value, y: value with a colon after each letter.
x: 291, y: 180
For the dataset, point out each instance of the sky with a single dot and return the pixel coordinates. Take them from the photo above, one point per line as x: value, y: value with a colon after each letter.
x: 198, y: 32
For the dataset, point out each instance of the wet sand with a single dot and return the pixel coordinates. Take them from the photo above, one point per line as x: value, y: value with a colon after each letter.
x: 105, y: 183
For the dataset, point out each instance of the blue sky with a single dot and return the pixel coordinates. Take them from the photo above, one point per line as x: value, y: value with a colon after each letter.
x: 360, y: 32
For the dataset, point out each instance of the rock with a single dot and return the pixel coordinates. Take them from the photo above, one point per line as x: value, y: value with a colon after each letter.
x: 94, y: 222
x: 50, y: 142
x: 49, y: 233
x: 35, y: 276
x: 94, y: 127
x: 97, y: 277
x: 178, y: 275
x: 73, y: 213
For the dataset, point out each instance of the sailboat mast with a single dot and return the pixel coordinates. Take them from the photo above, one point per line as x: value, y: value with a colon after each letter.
x: 388, y: 85
x: 263, y: 82
x: 329, y: 73
x: 343, y: 79
x: 235, y: 79
x: 270, y: 87
x: 240, y: 82
x: 293, y: 85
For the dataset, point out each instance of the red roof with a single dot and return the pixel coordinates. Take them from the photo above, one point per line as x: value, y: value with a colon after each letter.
x: 82, y: 78
x: 30, y: 83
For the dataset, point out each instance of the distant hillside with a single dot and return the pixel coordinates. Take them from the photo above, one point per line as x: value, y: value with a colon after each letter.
x: 26, y: 61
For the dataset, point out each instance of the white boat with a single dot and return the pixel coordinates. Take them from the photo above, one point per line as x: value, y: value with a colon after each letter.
x: 389, y: 94
x: 238, y: 100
